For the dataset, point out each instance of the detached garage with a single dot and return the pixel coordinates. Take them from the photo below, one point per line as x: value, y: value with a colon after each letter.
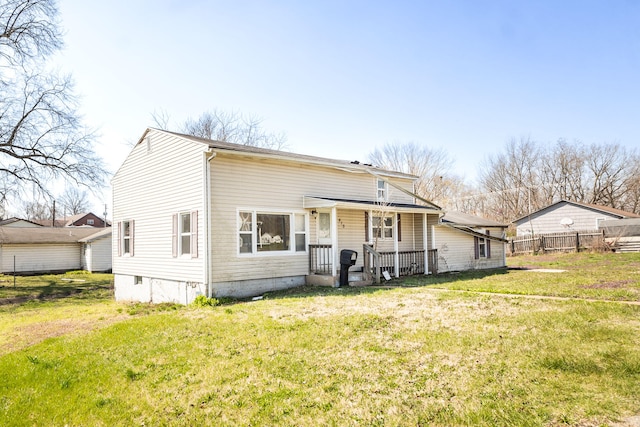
x: 49, y: 250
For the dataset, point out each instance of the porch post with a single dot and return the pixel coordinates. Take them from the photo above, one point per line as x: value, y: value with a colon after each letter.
x: 425, y: 243
x: 396, y: 256
x: 334, y: 241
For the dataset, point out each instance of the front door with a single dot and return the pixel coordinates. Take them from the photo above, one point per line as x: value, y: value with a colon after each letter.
x: 324, y: 228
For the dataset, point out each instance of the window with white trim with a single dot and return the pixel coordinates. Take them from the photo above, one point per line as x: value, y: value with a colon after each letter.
x: 482, y: 247
x: 90, y: 221
x: 382, y: 227
x: 245, y: 238
x: 300, y: 232
x: 267, y: 232
x: 126, y: 237
x: 185, y: 234
x: 382, y: 189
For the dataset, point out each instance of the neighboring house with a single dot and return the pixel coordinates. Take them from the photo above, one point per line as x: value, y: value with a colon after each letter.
x: 48, y: 249
x: 87, y: 219
x: 623, y: 235
x: 564, y: 216
x: 18, y: 222
x: 467, y: 242
x: 199, y: 217
x: 96, y: 251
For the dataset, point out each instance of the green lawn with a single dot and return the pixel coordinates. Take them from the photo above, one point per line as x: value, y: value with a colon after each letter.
x: 607, y: 276
x: 409, y: 355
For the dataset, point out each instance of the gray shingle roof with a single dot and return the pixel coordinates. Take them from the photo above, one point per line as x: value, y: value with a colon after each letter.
x: 13, y: 235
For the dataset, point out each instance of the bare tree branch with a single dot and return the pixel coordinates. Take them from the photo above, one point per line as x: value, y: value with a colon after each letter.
x: 234, y: 127
x: 433, y: 167
x: 41, y: 135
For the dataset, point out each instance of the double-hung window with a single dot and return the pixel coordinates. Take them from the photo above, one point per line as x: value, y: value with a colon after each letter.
x: 267, y: 232
x: 482, y: 246
x: 382, y: 227
x: 185, y: 234
x: 126, y: 238
x: 382, y: 190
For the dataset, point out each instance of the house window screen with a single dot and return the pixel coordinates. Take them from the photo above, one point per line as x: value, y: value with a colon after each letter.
x: 246, y: 232
x: 382, y: 227
x: 185, y: 233
x: 301, y: 233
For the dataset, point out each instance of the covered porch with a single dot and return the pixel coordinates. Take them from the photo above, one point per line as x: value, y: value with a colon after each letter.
x: 391, y: 239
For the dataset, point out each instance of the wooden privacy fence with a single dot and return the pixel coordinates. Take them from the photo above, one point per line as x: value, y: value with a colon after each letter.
x: 557, y: 242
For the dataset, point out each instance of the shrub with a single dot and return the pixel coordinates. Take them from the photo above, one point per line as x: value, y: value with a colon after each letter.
x: 203, y: 301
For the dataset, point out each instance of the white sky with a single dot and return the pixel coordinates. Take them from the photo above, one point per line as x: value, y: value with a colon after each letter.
x: 343, y: 77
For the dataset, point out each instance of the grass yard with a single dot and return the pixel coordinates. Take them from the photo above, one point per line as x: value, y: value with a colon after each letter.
x: 449, y: 350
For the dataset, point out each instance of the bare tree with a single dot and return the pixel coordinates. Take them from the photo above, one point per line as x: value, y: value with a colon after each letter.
x: 41, y: 136
x: 224, y: 126
x: 512, y: 180
x: 563, y: 172
x: 608, y: 167
x: 528, y: 176
x: 630, y: 200
x: 436, y: 182
x: 74, y: 201
x: 36, y: 210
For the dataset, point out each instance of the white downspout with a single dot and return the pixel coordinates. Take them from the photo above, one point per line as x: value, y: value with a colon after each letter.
x: 207, y: 220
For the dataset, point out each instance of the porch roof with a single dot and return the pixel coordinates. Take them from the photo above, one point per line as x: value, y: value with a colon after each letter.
x: 365, y: 205
x: 471, y: 231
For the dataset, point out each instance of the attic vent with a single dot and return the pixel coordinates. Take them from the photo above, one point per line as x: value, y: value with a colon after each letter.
x: 148, y: 141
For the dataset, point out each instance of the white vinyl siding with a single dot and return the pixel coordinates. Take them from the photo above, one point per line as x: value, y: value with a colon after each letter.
x: 549, y: 220
x: 456, y: 251
x: 150, y: 187
x: 241, y: 185
x: 97, y: 255
x: 41, y: 257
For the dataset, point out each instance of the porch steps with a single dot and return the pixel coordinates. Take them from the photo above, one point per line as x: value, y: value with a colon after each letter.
x: 356, y: 279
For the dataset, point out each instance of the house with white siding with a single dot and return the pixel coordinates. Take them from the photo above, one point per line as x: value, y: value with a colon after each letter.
x: 29, y: 250
x: 467, y: 242
x: 567, y: 216
x: 194, y: 216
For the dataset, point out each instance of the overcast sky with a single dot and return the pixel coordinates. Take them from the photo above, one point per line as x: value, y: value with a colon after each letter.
x: 341, y: 78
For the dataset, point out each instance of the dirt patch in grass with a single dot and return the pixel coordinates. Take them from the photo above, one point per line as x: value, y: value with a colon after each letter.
x: 28, y: 335
x: 610, y: 285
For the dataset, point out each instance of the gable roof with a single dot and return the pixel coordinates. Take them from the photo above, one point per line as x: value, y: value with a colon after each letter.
x: 466, y: 223
x: 14, y: 220
x: 595, y: 208
x: 13, y: 235
x: 464, y: 219
x: 67, y: 221
x: 248, y: 150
